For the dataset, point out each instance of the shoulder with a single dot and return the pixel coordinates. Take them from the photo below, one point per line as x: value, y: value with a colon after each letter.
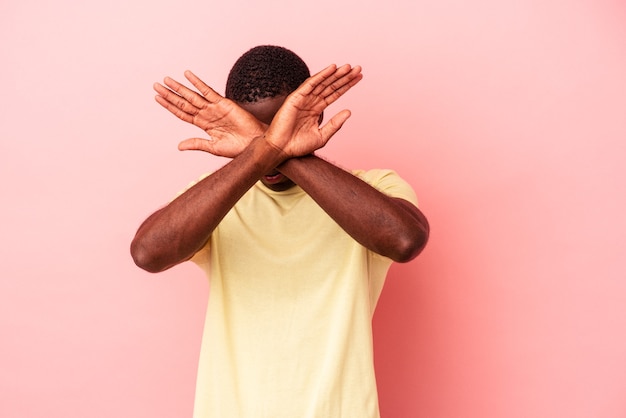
x: 389, y: 182
x: 377, y: 175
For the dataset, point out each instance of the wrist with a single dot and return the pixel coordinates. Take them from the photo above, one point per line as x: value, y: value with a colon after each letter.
x: 258, y: 131
x: 291, y: 164
x: 268, y: 155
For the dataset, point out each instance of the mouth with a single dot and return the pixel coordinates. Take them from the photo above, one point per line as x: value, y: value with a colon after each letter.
x: 274, y: 177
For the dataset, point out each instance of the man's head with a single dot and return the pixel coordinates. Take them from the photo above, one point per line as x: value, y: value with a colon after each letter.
x: 265, y: 71
x: 259, y: 82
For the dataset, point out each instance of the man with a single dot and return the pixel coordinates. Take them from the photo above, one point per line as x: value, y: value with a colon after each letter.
x: 295, y: 248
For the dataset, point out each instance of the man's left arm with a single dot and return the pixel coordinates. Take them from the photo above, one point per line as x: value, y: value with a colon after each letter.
x: 389, y: 226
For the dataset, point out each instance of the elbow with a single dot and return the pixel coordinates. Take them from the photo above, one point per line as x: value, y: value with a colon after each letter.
x: 411, y: 244
x: 144, y: 258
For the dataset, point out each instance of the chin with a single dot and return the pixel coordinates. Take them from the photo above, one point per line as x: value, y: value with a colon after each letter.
x: 278, y: 186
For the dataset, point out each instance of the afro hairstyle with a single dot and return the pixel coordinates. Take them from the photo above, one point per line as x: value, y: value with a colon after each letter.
x: 265, y: 71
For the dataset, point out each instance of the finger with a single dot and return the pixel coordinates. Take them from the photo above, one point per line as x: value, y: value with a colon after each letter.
x: 206, y: 145
x: 312, y: 82
x: 174, y: 99
x: 186, y: 93
x: 196, y: 144
x: 334, y: 124
x: 332, y: 78
x: 175, y: 110
x: 350, y: 78
x: 344, y: 83
x: 208, y: 93
x: 335, y: 92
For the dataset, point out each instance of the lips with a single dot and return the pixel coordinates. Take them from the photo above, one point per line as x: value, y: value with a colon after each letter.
x: 273, y: 178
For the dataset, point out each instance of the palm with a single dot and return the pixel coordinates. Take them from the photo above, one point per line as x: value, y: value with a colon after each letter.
x: 230, y: 127
x: 298, y: 123
x: 295, y: 128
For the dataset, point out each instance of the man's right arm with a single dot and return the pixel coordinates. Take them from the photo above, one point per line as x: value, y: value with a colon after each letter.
x: 176, y: 232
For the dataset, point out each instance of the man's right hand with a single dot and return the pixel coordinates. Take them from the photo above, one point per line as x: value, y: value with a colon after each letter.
x: 177, y: 231
x: 230, y: 127
x: 295, y: 129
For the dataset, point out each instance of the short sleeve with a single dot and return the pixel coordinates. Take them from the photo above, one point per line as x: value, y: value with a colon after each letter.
x: 190, y: 185
x: 389, y: 183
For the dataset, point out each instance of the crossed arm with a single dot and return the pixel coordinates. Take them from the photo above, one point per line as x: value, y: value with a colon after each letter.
x: 391, y: 227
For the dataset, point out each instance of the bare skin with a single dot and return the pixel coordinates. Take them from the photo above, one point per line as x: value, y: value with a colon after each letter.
x: 272, y: 140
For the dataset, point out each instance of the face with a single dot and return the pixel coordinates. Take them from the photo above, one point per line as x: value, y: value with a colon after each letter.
x: 264, y: 110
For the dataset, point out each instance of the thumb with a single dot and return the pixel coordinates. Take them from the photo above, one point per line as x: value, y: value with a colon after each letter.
x: 196, y: 144
x: 334, y: 124
x: 211, y: 146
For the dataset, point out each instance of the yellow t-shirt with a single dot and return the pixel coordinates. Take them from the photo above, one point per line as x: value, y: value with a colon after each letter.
x: 288, y: 327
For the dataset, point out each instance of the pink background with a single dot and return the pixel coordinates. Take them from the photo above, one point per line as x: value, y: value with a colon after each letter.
x: 508, y: 118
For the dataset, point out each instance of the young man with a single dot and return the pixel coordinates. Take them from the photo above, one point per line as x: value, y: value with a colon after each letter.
x: 295, y: 248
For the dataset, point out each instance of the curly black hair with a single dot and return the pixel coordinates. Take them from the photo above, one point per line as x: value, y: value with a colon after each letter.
x: 265, y: 71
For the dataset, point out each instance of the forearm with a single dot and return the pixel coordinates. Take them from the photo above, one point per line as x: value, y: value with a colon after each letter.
x: 176, y: 232
x: 388, y: 226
